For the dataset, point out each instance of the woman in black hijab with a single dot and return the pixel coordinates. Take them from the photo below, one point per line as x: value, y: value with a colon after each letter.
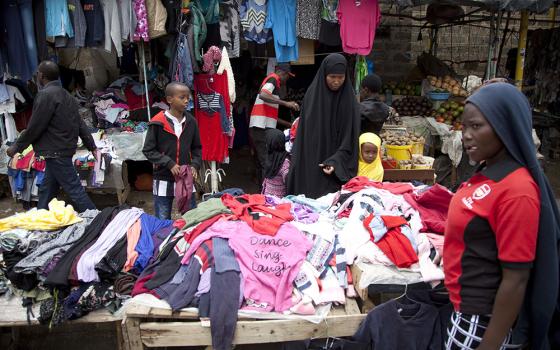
x: 325, y: 153
x: 502, y: 236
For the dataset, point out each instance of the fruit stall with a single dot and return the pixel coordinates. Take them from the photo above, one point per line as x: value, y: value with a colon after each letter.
x: 427, y: 124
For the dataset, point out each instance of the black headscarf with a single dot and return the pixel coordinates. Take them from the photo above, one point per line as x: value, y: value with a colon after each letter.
x: 509, y: 113
x: 327, y: 133
x: 275, y: 152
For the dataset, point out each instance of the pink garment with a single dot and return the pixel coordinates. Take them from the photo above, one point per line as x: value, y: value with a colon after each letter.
x: 211, y: 58
x: 358, y: 24
x: 132, y: 238
x: 268, y: 265
x: 141, y: 32
x: 432, y: 205
x: 120, y: 105
x: 184, y: 189
x: 360, y: 182
x: 437, y: 241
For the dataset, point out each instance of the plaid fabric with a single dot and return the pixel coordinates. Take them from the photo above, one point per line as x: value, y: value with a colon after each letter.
x: 466, y: 332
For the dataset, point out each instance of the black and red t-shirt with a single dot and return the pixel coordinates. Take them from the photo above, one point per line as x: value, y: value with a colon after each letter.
x: 492, y: 223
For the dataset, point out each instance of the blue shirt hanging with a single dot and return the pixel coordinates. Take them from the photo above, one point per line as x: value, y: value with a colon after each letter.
x: 58, y: 19
x: 281, y: 19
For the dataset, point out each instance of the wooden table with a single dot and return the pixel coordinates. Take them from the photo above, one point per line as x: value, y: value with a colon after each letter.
x: 145, y: 326
x: 14, y: 316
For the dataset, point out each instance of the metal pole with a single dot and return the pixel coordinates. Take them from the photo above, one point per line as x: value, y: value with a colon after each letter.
x: 521, y: 47
x: 552, y: 16
x: 213, y: 177
x: 145, y: 79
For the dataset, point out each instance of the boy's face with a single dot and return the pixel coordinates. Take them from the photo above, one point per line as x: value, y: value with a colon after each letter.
x: 369, y: 152
x: 180, y: 99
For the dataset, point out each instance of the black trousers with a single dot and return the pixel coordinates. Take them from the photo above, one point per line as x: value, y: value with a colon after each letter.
x: 258, y: 136
x: 60, y: 172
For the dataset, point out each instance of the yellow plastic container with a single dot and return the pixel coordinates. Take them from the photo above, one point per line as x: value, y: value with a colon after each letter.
x: 417, y: 148
x: 399, y: 152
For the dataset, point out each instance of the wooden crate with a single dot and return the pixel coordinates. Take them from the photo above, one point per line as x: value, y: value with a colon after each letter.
x: 153, y: 327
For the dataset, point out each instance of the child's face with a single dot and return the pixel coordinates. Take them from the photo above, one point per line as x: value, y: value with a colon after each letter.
x: 180, y: 99
x: 369, y: 152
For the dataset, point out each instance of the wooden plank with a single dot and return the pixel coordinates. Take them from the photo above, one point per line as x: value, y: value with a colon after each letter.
x: 337, y: 310
x: 132, y: 331
x: 163, y: 334
x: 351, y: 307
x: 143, y: 311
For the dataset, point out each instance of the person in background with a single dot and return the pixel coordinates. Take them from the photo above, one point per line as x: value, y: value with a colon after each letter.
x: 325, y: 152
x: 264, y: 114
x: 503, y: 232
x: 373, y: 112
x: 53, y: 131
x: 369, y: 164
x: 277, y: 164
x: 172, y: 141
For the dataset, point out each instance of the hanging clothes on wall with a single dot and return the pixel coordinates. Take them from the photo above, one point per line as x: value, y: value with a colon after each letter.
x: 361, y: 70
x: 225, y: 66
x: 142, y: 29
x: 20, y: 58
x: 181, y: 68
x: 253, y: 18
x: 40, y: 25
x: 308, y: 22
x: 210, y: 9
x: 329, y: 33
x: 78, y: 20
x: 173, y: 8
x: 229, y: 26
x: 281, y: 19
x: 358, y: 22
x: 197, y: 30
x: 212, y: 104
x: 58, y: 19
x: 157, y: 18
x: 127, y: 19
x: 112, y: 26
x: 95, y: 32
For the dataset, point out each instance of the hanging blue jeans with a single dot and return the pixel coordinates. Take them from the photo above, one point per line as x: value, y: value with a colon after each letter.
x: 181, y: 67
x: 16, y: 49
x: 27, y: 23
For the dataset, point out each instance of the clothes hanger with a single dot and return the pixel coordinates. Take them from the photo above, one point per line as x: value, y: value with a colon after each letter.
x: 405, y: 295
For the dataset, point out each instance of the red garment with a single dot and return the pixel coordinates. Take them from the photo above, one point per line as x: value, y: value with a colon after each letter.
x: 200, y: 228
x: 253, y: 210
x: 184, y: 189
x: 24, y: 163
x: 22, y: 118
x: 214, y: 142
x: 360, y: 182
x: 179, y: 224
x: 39, y: 164
x: 136, y: 102
x: 432, y: 205
x: 395, y: 245
x: 345, y: 213
x: 140, y: 289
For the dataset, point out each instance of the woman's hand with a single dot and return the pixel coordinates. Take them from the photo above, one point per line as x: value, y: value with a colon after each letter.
x: 327, y: 169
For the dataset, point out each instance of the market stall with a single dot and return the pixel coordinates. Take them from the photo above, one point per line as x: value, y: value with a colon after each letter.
x: 292, y: 264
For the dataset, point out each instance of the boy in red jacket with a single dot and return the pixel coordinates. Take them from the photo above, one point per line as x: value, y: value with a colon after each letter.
x: 172, y: 140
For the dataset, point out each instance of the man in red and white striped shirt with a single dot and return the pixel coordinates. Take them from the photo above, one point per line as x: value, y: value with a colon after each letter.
x: 265, y: 112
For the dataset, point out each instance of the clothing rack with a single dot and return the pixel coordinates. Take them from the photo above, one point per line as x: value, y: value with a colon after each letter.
x: 143, y: 54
